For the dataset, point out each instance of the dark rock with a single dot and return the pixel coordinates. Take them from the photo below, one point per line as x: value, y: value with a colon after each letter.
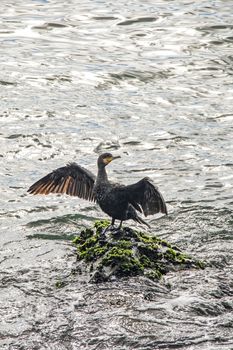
x: 110, y: 254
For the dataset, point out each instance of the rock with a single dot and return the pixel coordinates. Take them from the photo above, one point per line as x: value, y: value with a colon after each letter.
x: 121, y: 253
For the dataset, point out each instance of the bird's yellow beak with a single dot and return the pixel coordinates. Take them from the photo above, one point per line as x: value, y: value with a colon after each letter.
x: 116, y: 157
x: 107, y: 160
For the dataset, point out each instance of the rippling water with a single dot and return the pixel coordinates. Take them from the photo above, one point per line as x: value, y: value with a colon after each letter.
x: 151, y: 81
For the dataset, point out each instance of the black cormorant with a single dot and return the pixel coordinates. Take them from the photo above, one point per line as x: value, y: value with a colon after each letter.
x: 118, y: 201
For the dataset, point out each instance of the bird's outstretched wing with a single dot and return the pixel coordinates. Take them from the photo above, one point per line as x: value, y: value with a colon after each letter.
x: 71, y: 179
x: 145, y: 197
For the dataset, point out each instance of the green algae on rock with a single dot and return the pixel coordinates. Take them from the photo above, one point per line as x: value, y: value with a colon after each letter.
x: 127, y: 252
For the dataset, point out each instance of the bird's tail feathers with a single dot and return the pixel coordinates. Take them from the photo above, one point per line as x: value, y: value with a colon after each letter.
x: 141, y: 221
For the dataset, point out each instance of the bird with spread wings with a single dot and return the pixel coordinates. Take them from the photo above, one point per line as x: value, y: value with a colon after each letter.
x: 118, y: 201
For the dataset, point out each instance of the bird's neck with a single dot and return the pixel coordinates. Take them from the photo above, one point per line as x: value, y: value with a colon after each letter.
x: 102, y: 174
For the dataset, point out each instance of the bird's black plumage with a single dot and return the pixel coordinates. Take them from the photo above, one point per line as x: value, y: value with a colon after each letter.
x: 118, y: 201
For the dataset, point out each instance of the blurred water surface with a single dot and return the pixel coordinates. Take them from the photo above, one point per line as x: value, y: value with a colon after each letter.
x: 151, y: 81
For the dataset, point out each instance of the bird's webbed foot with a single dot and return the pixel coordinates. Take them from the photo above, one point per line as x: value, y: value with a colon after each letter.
x: 111, y: 228
x: 108, y: 228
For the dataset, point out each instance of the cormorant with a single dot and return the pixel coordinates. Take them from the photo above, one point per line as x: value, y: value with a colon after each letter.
x: 118, y: 201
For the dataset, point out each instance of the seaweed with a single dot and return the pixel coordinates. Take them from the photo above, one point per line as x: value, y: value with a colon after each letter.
x: 108, y: 254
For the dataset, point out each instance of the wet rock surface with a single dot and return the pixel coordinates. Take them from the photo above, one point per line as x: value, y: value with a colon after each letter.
x: 105, y: 254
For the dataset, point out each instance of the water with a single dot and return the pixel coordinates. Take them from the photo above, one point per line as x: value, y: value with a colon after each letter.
x: 152, y: 82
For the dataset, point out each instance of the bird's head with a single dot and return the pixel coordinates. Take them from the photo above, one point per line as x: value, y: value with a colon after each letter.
x: 105, y: 158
